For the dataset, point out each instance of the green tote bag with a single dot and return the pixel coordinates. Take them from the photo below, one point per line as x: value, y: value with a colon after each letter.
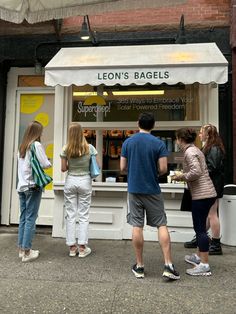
x: 41, y: 179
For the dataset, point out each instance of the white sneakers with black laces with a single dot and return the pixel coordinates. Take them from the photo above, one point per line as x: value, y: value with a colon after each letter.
x: 170, y: 272
x: 138, y: 271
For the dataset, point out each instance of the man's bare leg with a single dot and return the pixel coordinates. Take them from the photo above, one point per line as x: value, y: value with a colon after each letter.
x: 138, y: 242
x: 164, y: 240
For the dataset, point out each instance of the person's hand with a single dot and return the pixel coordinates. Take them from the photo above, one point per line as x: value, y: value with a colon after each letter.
x: 176, y: 178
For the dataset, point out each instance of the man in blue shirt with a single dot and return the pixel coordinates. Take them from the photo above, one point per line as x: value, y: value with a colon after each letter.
x: 144, y: 157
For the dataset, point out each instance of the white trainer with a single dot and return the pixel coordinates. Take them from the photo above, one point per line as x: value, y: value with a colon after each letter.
x: 22, y: 253
x: 32, y: 256
x: 85, y: 252
x: 199, y: 270
x: 74, y: 252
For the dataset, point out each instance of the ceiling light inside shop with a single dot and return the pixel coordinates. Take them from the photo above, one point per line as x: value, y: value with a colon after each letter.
x: 88, y: 94
x: 122, y: 93
x: 138, y: 92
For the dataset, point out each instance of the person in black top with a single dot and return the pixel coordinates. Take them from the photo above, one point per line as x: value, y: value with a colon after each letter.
x: 214, y: 152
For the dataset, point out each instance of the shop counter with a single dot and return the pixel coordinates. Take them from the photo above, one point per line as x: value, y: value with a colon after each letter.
x: 109, y: 209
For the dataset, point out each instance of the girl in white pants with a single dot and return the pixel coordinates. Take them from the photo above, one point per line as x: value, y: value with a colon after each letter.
x: 75, y: 158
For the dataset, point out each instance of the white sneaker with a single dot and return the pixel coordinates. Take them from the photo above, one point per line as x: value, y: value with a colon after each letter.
x: 32, y: 256
x: 22, y: 253
x: 85, y: 252
x: 74, y: 252
x: 199, y: 270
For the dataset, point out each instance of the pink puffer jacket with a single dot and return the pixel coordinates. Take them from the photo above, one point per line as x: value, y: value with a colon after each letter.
x: 196, y: 174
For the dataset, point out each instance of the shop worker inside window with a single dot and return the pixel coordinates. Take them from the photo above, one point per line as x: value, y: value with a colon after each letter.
x: 144, y: 157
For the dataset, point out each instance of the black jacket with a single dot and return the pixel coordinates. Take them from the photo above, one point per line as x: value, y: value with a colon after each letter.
x: 215, y: 165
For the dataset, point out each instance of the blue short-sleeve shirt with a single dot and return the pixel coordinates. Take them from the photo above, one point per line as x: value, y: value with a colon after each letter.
x: 142, y: 152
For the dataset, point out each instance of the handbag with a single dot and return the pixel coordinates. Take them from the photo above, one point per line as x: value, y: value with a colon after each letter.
x: 94, y: 167
x: 186, y: 203
x: 41, y: 179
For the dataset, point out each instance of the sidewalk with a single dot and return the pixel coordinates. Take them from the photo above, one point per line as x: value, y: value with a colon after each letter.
x: 103, y: 282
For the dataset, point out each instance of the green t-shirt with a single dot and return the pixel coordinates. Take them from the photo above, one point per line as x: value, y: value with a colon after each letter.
x: 79, y: 166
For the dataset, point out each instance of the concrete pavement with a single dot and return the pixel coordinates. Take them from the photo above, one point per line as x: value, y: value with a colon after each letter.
x: 103, y: 282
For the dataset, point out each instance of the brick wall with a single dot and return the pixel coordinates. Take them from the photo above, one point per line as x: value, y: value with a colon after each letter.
x: 200, y: 13
x: 137, y: 15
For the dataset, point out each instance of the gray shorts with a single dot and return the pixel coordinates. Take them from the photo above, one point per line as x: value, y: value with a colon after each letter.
x: 151, y: 204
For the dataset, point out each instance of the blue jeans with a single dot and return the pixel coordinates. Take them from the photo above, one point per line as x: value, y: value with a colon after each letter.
x: 29, y: 207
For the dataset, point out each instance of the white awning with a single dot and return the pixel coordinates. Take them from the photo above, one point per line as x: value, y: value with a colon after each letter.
x: 34, y: 11
x: 125, y: 65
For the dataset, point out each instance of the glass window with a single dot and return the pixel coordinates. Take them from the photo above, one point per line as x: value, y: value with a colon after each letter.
x: 115, y: 110
x: 168, y: 103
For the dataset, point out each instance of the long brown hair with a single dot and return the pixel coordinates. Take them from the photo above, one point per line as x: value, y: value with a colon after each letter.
x: 76, y: 144
x: 32, y: 133
x: 213, y: 138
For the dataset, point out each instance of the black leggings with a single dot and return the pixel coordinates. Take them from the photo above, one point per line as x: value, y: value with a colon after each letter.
x: 200, y: 210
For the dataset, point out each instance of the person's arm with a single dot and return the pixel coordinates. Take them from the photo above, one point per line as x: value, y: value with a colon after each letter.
x: 214, y: 161
x: 162, y: 165
x: 123, y: 164
x: 64, y: 164
x: 195, y: 170
x: 41, y: 156
x: 98, y: 161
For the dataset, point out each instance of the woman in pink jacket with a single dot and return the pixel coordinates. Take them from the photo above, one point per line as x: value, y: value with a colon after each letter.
x: 203, y: 194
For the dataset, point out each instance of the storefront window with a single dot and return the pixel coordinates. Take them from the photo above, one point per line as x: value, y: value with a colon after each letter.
x: 168, y: 103
x: 116, y: 111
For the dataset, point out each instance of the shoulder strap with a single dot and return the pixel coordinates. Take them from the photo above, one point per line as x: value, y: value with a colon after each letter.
x: 32, y: 149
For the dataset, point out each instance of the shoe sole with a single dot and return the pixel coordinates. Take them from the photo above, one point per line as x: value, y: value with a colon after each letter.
x: 73, y: 254
x: 215, y: 253
x: 190, y: 262
x: 199, y: 274
x: 190, y: 246
x: 170, y: 276
x: 137, y: 275
x: 29, y: 260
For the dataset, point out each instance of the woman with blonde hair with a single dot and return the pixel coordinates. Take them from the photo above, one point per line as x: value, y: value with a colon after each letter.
x: 29, y: 194
x: 75, y: 158
x: 214, y: 152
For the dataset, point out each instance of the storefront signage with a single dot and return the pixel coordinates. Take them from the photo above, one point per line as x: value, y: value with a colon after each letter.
x: 153, y: 103
x: 81, y: 108
x: 142, y: 75
x: 94, y: 104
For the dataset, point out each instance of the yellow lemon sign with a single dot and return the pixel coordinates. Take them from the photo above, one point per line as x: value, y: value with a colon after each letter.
x: 49, y: 172
x: 30, y: 103
x: 94, y: 100
x: 49, y: 151
x: 43, y: 118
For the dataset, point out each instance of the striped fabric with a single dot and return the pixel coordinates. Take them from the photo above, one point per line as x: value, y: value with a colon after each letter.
x: 41, y: 179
